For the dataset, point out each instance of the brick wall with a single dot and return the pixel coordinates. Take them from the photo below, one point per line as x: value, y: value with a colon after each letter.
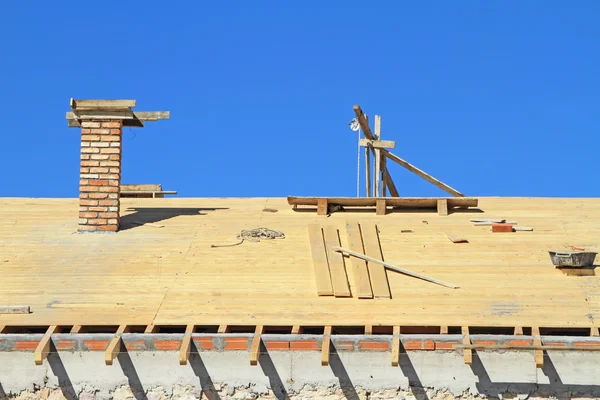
x: 100, y: 175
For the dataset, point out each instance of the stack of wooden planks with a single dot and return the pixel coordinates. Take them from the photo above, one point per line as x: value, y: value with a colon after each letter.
x: 329, y: 265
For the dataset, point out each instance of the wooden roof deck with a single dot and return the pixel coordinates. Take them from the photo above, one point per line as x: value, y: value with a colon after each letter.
x: 170, y: 275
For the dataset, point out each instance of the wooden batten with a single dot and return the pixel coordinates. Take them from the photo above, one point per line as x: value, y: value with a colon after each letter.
x: 43, y: 348
x: 537, y: 341
x: 396, y: 346
x: 442, y: 207
x: 114, y: 347
x: 255, y: 346
x: 223, y: 329
x: 152, y: 329
x: 325, y: 346
x: 186, y: 345
x: 297, y: 330
x: 467, y: 353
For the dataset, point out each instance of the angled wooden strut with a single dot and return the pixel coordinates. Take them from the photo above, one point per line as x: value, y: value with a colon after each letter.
x: 114, y: 347
x: 325, y: 346
x: 43, y: 348
x: 186, y: 345
x: 255, y: 346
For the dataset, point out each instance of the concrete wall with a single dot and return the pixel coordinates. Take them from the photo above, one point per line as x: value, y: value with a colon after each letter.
x: 148, y: 367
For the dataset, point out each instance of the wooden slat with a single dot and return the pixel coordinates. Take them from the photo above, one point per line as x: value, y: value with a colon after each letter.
x: 14, y: 309
x: 368, y: 329
x: 467, y: 353
x: 443, y: 330
x: 362, y: 282
x: 98, y: 104
x: 319, y: 257
x: 296, y: 330
x: 337, y: 269
x: 223, y: 329
x: 368, y: 176
x: 255, y: 346
x: 152, y: 329
x: 322, y: 207
x: 537, y: 341
x: 114, y: 347
x: 77, y: 329
x: 422, y: 174
x: 408, y: 202
x: 3, y: 328
x: 376, y: 136
x: 442, y: 207
x: 378, y: 144
x: 381, y: 207
x: 383, y: 174
x: 455, y: 238
x: 594, y: 331
x: 379, y: 281
x: 518, y: 331
x: 186, y: 344
x: 325, y: 346
x: 43, y: 348
x: 396, y: 347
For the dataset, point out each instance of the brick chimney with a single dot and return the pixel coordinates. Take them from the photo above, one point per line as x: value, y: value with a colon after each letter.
x: 102, y: 123
x: 100, y: 175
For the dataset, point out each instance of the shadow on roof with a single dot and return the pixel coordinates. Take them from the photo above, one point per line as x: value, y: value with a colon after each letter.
x: 146, y: 215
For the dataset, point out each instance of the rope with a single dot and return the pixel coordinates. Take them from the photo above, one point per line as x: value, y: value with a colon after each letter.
x: 254, y: 235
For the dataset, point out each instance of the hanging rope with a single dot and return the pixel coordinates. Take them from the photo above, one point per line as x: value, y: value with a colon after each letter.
x: 254, y: 235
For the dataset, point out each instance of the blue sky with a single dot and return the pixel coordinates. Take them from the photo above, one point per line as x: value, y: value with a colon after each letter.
x: 493, y: 98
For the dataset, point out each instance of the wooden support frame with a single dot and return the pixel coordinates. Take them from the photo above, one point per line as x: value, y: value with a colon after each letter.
x: 443, y: 330
x: 537, y: 341
x: 255, y: 346
x: 75, y: 329
x: 377, y: 144
x: 376, y: 136
x: 297, y: 330
x: 114, y: 347
x: 43, y: 348
x: 381, y: 207
x: 325, y: 346
x: 518, y: 331
x: 152, y: 329
x: 223, y: 329
x: 368, y: 329
x: 3, y: 329
x: 396, y: 346
x: 467, y: 353
x: 322, y: 207
x: 186, y: 345
x: 442, y: 207
x: 594, y: 331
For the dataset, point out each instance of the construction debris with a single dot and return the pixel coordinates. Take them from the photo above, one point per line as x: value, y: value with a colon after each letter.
x: 502, y: 228
x: 14, y: 310
x: 254, y: 235
x: 456, y: 238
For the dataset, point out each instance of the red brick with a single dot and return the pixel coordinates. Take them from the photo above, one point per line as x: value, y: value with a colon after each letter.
x: 84, y: 156
x: 518, y: 342
x: 97, y: 221
x: 115, y: 157
x: 99, y: 170
x: 110, y: 138
x: 100, y: 131
x: 484, y: 342
x: 84, y: 170
x: 502, y: 227
x: 109, y: 150
x: 111, y: 124
x: 344, y: 345
x: 100, y: 157
x: 90, y: 150
x: 428, y: 345
x: 88, y: 215
x: 98, y: 195
x: 584, y: 344
x: 413, y: 344
x: 113, y: 196
x: 109, y: 189
x: 277, y: 345
x: 84, y: 182
x: 113, y: 179
x: 99, y: 144
x: 90, y: 138
x: 88, y: 189
x: 87, y: 228
x: 90, y: 124
x: 99, y: 209
x: 204, y: 343
x: 112, y: 228
x: 115, y: 131
x: 304, y: 345
x: 65, y: 344
x: 563, y: 344
x: 98, y: 345
x: 135, y: 345
x: 85, y: 131
x: 25, y: 345
x: 88, y: 202
x: 109, y: 215
x: 99, y: 182
x: 445, y: 345
x: 109, y: 203
x: 110, y: 164
x: 115, y: 170
x: 236, y: 344
x: 373, y: 345
x: 167, y: 344
x: 89, y: 163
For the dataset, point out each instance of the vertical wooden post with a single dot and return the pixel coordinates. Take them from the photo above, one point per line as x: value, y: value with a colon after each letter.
x: 368, y: 169
x: 383, y: 172
x: 377, y: 135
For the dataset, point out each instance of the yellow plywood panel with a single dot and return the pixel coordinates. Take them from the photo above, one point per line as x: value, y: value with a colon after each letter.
x: 144, y: 276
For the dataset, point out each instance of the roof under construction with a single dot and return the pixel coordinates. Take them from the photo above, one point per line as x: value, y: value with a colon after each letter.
x: 160, y: 268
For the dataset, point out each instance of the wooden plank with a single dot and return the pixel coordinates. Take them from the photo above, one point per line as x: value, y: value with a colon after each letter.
x: 77, y: 329
x: 43, y: 348
x: 362, y: 282
x: 368, y: 329
x: 383, y: 172
x: 468, y: 353
x: 322, y: 207
x: 14, y: 310
x: 377, y: 135
x: 368, y: 171
x: 416, y: 202
x: 186, y: 344
x: 396, y: 346
x: 522, y: 229
x: 594, y: 331
x: 337, y: 269
x: 518, y: 331
x: 393, y: 267
x: 255, y: 347
x: 118, y: 114
x: 319, y: 257
x: 379, y: 281
x: 152, y: 329
x: 223, y: 329
x: 422, y: 174
x: 442, y: 207
x: 3, y: 328
x: 537, y: 341
x: 381, y: 207
x: 325, y: 346
x: 377, y: 144
x: 114, y: 347
x: 443, y: 330
x: 97, y: 104
x: 389, y: 182
x: 144, y: 187
x: 455, y: 238
x: 297, y: 330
